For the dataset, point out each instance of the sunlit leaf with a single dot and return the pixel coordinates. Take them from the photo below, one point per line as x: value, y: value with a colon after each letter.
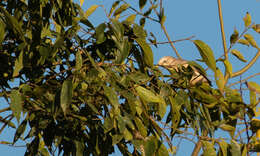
x: 253, y: 86
x: 78, y: 60
x: 111, y: 95
x: 247, y: 19
x: 228, y: 67
x: 121, y: 9
x: 16, y: 104
x: 243, y: 42
x: 206, y: 53
x: 114, y: 5
x: 220, y: 80
x: 235, y: 148
x: 66, y: 95
x: 150, y: 146
x: 147, y: 95
x: 238, y: 55
x: 130, y: 19
x: 223, y: 147
x: 90, y: 10
x: 208, y: 149
x: 251, y: 40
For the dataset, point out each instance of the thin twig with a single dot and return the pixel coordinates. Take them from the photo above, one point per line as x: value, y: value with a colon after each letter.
x: 244, y: 80
x: 189, y: 38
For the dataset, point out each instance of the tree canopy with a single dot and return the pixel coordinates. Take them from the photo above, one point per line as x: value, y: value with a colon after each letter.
x: 86, y: 89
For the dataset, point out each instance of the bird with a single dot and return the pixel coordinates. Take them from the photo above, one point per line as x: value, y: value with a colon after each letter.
x: 172, y: 63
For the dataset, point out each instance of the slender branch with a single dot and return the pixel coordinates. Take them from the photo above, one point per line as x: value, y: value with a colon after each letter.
x: 244, y: 80
x: 222, y: 29
x: 189, y: 38
x: 247, y: 66
x: 166, y: 34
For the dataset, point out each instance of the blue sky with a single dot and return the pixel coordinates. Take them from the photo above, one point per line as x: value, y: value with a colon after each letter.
x: 184, y: 18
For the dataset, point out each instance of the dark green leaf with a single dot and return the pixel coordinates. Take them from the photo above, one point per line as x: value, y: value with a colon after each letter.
x: 78, y: 60
x: 116, y: 138
x: 20, y: 130
x: 208, y: 149
x: 148, y: 54
x: 18, y: 64
x: 66, y: 95
x: 142, y: 4
x: 16, y: 104
x: 111, y: 95
x: 234, y: 37
x: 139, y: 31
x: 100, y: 33
x: 150, y: 146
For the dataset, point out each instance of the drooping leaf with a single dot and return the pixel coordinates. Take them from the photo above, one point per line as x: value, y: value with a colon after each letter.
x: 148, y: 54
x: 223, y: 147
x: 247, y: 19
x: 206, y: 53
x: 243, y: 42
x: 142, y: 4
x: 220, y: 80
x: 78, y: 60
x: 234, y: 37
x: 66, y: 95
x: 114, y: 5
x: 121, y: 9
x: 111, y: 95
x: 90, y: 10
x: 251, y: 40
x: 228, y: 67
x: 18, y: 64
x: 238, y: 55
x: 235, y: 148
x: 253, y: 86
x: 208, y: 149
x: 20, y: 130
x: 16, y: 104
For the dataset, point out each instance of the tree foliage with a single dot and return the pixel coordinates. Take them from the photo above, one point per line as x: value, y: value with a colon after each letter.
x: 85, y: 89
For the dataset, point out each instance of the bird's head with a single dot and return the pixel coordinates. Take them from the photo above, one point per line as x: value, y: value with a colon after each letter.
x: 166, y: 60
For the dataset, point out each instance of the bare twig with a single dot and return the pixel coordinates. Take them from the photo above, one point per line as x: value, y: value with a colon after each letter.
x: 244, y: 80
x: 189, y: 38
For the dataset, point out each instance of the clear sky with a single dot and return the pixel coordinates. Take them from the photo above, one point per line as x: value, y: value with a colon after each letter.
x: 184, y: 18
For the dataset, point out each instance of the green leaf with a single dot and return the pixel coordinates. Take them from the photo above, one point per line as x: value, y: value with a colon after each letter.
x: 139, y: 31
x: 220, y: 80
x: 162, y: 151
x: 118, y: 29
x: 142, y: 4
x: 127, y: 135
x: 121, y: 9
x: 114, y: 5
x: 247, y: 19
x: 90, y: 10
x: 234, y: 37
x: 208, y: 149
x: 238, y: 55
x: 66, y: 95
x: 223, y: 147
x: 79, y: 147
x: 147, y: 95
x: 2, y: 31
x: 228, y: 67
x: 235, y: 148
x: 116, y: 138
x: 20, y: 130
x: 16, y: 104
x: 124, y: 48
x: 251, y: 40
x: 130, y: 19
x: 243, y: 42
x: 253, y: 86
x: 111, y: 95
x: 100, y: 35
x: 18, y: 65
x: 150, y: 146
x: 256, y: 28
x: 206, y: 53
x: 78, y: 60
x: 140, y: 126
x: 148, y: 54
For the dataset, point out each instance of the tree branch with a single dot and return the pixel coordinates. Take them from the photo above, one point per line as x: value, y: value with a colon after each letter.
x: 244, y: 80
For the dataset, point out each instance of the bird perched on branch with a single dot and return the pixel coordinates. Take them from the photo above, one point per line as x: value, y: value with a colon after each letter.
x: 171, y: 63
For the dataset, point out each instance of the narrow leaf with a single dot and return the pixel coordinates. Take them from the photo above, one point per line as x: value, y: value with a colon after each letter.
x: 148, y: 54
x: 223, y: 147
x: 228, y: 67
x: 206, y: 53
x: 111, y: 95
x: 244, y: 42
x: 78, y: 60
x: 234, y: 37
x: 147, y: 95
x: 238, y: 55
x: 66, y: 95
x: 251, y: 40
x: 16, y: 104
x: 253, y: 86
x: 220, y: 80
x: 90, y: 10
x: 20, y: 130
x: 18, y: 65
x: 247, y: 19
x: 130, y: 19
x: 114, y: 5
x: 142, y: 4
x: 121, y: 9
